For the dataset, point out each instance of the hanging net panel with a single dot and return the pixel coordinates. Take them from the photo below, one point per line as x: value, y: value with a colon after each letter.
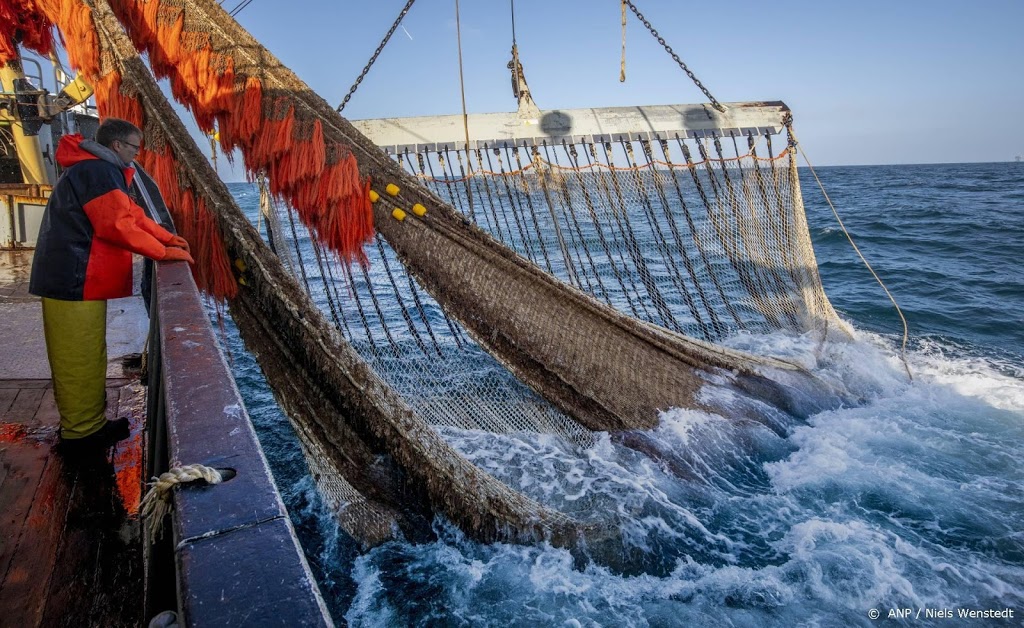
x: 407, y: 338
x: 678, y: 215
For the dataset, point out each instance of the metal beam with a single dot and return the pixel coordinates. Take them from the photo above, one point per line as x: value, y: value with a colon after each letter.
x: 575, y: 125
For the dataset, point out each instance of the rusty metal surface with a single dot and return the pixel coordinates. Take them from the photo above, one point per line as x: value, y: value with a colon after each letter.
x: 215, y: 526
x: 30, y: 190
x: 21, y: 212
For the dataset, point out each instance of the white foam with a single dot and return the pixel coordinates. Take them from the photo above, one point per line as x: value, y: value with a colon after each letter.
x: 999, y: 384
x: 909, y: 498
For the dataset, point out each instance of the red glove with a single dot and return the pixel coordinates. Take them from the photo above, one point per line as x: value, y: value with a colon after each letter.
x: 179, y: 242
x: 173, y: 254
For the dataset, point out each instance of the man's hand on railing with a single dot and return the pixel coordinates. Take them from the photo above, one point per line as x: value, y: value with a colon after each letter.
x: 174, y: 254
x: 179, y: 242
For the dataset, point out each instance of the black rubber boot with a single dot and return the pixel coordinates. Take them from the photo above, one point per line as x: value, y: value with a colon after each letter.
x: 110, y: 433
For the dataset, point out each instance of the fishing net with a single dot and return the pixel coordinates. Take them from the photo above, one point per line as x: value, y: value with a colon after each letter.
x: 385, y: 470
x: 367, y: 386
x: 605, y: 370
x: 672, y: 228
x: 407, y: 338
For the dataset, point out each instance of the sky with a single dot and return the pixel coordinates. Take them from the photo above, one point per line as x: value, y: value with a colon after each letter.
x: 869, y: 82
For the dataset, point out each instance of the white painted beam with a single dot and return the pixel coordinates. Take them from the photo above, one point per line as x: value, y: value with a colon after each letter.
x: 574, y: 125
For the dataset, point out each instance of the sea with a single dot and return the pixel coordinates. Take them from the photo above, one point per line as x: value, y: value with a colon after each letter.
x: 903, y: 508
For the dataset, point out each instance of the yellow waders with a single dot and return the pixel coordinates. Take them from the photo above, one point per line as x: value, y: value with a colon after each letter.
x: 76, y: 346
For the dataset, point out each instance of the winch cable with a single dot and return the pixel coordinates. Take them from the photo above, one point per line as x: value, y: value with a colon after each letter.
x: 515, y: 49
x: 238, y: 8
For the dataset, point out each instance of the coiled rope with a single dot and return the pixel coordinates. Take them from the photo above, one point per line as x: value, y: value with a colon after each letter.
x: 157, y: 502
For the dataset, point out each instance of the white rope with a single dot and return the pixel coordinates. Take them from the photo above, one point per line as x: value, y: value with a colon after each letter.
x: 157, y: 502
x: 906, y: 331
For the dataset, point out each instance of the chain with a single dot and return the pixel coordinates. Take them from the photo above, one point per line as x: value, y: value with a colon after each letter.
x: 787, y: 121
x: 376, y: 53
x: 661, y: 40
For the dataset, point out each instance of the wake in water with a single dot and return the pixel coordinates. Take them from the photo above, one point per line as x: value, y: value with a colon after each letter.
x: 911, y: 499
x: 909, y: 494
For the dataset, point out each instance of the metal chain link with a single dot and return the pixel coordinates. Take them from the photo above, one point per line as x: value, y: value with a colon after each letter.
x: 376, y: 53
x: 661, y: 40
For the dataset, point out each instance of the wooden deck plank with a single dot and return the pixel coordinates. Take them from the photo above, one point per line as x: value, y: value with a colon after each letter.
x: 128, y: 456
x: 47, y: 414
x: 69, y: 552
x: 69, y: 555
x: 118, y: 589
x: 18, y: 384
x: 25, y: 405
x: 74, y: 578
x: 7, y: 396
x: 24, y: 472
x: 109, y: 572
x: 23, y: 456
x: 32, y: 553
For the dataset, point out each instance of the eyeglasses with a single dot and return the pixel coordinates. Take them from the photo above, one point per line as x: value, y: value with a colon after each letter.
x: 135, y: 146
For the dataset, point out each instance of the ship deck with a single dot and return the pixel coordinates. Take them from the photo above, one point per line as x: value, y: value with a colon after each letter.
x: 70, y: 545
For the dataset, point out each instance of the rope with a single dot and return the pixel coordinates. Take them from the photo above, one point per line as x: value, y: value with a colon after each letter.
x: 633, y: 246
x: 462, y: 90
x: 524, y: 186
x: 573, y: 155
x: 906, y: 332
x: 619, y: 235
x: 401, y: 303
x: 512, y: 7
x: 622, y: 64
x: 157, y: 502
x: 239, y: 7
x: 513, y: 205
x: 659, y: 238
x: 570, y: 268
x: 675, y: 57
x: 717, y: 329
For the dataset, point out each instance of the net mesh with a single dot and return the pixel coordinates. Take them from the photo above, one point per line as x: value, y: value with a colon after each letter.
x: 700, y: 236
x: 421, y: 353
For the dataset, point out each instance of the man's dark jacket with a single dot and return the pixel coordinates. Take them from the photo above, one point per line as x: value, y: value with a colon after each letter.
x: 91, y: 227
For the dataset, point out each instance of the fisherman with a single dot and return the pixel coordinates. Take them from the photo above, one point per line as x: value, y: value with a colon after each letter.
x: 83, y: 257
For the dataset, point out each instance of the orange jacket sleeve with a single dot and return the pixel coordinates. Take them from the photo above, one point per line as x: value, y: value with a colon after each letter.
x: 118, y: 220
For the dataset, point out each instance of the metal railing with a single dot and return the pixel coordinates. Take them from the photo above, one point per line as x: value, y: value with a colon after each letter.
x: 233, y: 557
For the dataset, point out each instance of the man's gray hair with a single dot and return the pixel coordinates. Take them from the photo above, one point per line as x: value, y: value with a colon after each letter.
x: 115, y: 129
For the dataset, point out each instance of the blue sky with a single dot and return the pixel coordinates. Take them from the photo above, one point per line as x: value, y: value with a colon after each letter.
x: 869, y: 82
